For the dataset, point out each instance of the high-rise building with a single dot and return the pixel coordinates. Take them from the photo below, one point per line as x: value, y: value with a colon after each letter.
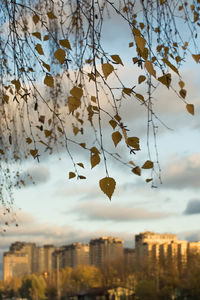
x: 75, y: 254
x: 44, y: 258
x: 15, y: 265
x: 105, y: 249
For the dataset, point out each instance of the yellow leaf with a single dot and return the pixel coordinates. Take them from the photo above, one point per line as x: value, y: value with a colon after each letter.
x: 140, y: 41
x: 107, y: 185
x: 136, y: 31
x: 76, y: 92
x: 181, y: 84
x: 190, y: 108
x: 34, y: 152
x: 116, y: 137
x: 170, y: 65
x: 51, y: 15
x: 196, y: 57
x: 113, y: 123
x: 117, y: 59
x: 35, y: 19
x: 141, y: 78
x: 39, y: 49
x: 49, y: 81
x: 37, y: 35
x: 47, y: 133
x: 183, y: 93
x: 148, y: 65
x: 28, y: 140
x: 133, y: 142
x: 73, y: 104
x: 95, y: 160
x: 147, y: 165
x: 66, y: 44
x: 137, y: 171
x: 60, y: 55
x: 72, y: 175
x: 107, y: 69
x: 165, y: 79
x: 80, y: 165
x: 17, y: 84
x: 46, y: 66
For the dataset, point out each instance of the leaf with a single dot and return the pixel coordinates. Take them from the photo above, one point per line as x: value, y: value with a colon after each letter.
x: 49, y: 81
x: 136, y: 31
x: 148, y: 179
x: 37, y: 35
x: 117, y: 59
x: 83, y: 145
x: 107, y: 69
x: 183, y: 93
x: 147, y: 165
x: 94, y: 150
x: 81, y: 177
x: 17, y: 84
x: 141, y: 78
x: 80, y: 165
x: 42, y: 119
x: 46, y: 66
x: 72, y: 175
x: 93, y: 99
x: 73, y: 104
x: 51, y: 15
x: 116, y: 137
x: 34, y: 152
x: 141, y: 42
x: 107, y: 185
x: 190, y: 108
x: 60, y: 55
x: 76, y: 92
x: 28, y: 140
x: 196, y: 57
x: 6, y: 98
x: 47, y: 133
x: 170, y: 65
x: 181, y: 84
x: 39, y: 49
x: 113, y: 123
x: 66, y: 44
x: 165, y: 79
x: 137, y: 171
x: 75, y: 130
x: 46, y: 37
x: 95, y: 160
x: 133, y: 142
x: 35, y: 19
x: 127, y: 91
x: 139, y: 96
x: 148, y: 65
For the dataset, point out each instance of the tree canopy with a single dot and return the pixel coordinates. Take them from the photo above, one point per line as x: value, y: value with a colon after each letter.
x: 63, y: 90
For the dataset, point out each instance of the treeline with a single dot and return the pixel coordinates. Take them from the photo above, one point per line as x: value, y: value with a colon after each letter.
x: 150, y: 281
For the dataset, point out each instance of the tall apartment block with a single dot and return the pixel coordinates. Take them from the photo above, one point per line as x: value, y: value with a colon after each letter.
x: 105, y: 249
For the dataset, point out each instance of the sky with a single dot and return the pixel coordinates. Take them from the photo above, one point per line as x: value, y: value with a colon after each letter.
x: 56, y: 210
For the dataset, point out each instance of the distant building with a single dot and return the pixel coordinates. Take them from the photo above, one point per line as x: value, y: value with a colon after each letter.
x: 105, y: 249
x: 44, y: 258
x: 15, y: 265
x: 74, y: 255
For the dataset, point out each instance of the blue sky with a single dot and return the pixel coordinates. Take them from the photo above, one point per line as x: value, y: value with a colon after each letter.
x: 60, y: 211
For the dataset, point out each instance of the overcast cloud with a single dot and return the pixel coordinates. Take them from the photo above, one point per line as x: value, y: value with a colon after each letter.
x: 193, y: 207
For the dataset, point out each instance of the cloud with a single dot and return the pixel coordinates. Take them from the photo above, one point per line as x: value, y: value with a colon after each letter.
x: 193, y: 207
x: 183, y: 173
x: 102, y: 212
x: 36, y: 175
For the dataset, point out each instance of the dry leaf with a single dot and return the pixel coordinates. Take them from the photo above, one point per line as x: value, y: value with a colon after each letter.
x: 165, y: 79
x: 107, y: 69
x: 148, y: 65
x: 66, y: 44
x: 137, y: 171
x: 141, y: 78
x: 107, y: 185
x: 133, y: 142
x: 73, y: 103
x: 37, y: 35
x: 190, y: 108
x: 196, y: 57
x: 49, y: 81
x: 39, y: 49
x: 147, y: 165
x: 141, y: 42
x: 72, y: 175
x: 60, y: 55
x: 76, y: 92
x: 95, y: 160
x: 116, y: 137
x: 34, y: 152
x: 117, y: 59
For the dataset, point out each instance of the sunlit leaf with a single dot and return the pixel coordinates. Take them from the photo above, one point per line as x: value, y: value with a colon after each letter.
x: 147, y: 165
x: 137, y: 171
x: 107, y: 185
x: 183, y: 93
x: 190, y: 108
x: 165, y: 79
x: 65, y: 43
x: 140, y: 41
x: 49, y: 81
x: 76, y: 92
x: 196, y: 57
x: 117, y: 59
x: 141, y: 78
x: 149, y: 67
x: 95, y: 160
x: 133, y: 142
x: 113, y: 123
x: 37, y: 35
x: 170, y: 65
x: 107, y: 69
x: 34, y: 152
x: 73, y: 104
x: 94, y: 150
x: 39, y: 49
x: 60, y: 55
x: 116, y: 137
x: 72, y: 175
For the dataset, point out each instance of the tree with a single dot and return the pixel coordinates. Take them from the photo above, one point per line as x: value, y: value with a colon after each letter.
x: 60, y: 88
x: 33, y: 287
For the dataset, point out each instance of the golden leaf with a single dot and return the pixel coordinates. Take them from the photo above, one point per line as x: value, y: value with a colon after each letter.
x: 148, y: 65
x: 93, y: 99
x: 6, y: 98
x: 51, y: 15
x: 165, y: 79
x: 107, y: 69
x: 137, y: 171
x: 95, y: 160
x: 49, y: 81
x: 140, y: 41
x: 42, y: 119
x: 60, y: 55
x: 183, y: 93
x: 28, y: 140
x: 190, y: 108
x: 147, y: 165
x: 47, y: 133
x: 130, y: 44
x: 133, y: 142
x: 181, y: 84
x: 94, y: 150
x: 76, y: 92
x: 116, y: 137
x: 34, y: 152
x: 139, y: 96
x: 73, y: 103
x: 35, y: 19
x: 72, y: 175
x: 117, y: 59
x: 149, y: 179
x: 66, y: 44
x: 37, y: 35
x: 196, y: 57
x: 46, y: 66
x: 127, y: 91
x: 170, y: 65
x: 136, y: 31
x: 141, y: 78
x: 81, y: 177
x: 75, y: 130
x: 107, y: 185
x: 17, y: 84
x: 80, y: 165
x: 39, y: 49
x: 83, y: 145
x: 117, y: 117
x: 113, y: 123
x: 46, y: 37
